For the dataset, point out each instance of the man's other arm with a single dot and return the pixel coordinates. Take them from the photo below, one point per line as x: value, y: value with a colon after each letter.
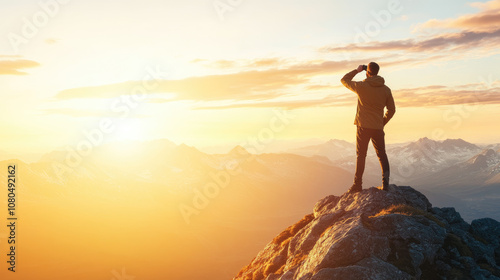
x: 347, y: 80
x: 391, y: 108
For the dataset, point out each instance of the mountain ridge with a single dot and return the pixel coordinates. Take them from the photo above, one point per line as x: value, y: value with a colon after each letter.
x: 376, y: 234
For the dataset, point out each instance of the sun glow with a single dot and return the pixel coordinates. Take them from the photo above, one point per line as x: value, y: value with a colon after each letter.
x: 128, y: 130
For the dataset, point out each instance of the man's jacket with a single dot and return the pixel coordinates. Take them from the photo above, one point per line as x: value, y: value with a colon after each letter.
x: 373, y: 97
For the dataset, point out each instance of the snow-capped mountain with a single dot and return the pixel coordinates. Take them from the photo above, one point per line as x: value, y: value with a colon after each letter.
x: 425, y: 156
x: 410, y: 161
x: 475, y: 181
x: 479, y: 170
x: 334, y: 150
x: 452, y: 172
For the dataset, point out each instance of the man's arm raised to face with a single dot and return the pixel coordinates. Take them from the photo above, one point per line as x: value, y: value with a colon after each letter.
x: 347, y: 79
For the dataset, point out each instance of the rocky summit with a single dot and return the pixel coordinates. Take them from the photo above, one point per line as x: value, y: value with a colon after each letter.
x: 376, y: 234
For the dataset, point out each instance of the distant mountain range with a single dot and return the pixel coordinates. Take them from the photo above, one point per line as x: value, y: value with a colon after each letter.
x: 228, y: 205
x: 449, y: 172
x: 409, y: 161
x: 215, y: 210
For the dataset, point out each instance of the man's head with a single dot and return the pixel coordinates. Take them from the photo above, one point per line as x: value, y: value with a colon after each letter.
x: 372, y: 69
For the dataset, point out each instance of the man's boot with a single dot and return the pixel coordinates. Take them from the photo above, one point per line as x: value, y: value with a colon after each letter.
x: 385, y: 184
x: 355, y: 188
x: 385, y: 180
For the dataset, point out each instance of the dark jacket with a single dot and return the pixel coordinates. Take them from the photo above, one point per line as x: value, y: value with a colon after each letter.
x: 373, y: 97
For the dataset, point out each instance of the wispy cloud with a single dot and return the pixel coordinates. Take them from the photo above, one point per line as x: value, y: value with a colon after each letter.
x: 323, y: 87
x: 244, y: 85
x: 490, y: 5
x: 487, y: 19
x: 243, y: 64
x: 51, y: 41
x: 445, y: 42
x: 329, y: 101
x: 441, y: 95
x: 15, y: 67
x: 271, y: 88
x: 82, y: 113
x: 467, y: 32
x: 428, y: 96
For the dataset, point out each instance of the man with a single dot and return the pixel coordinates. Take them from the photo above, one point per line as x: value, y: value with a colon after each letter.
x: 373, y: 97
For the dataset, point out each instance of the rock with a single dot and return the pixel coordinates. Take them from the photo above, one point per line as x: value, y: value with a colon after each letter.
x: 452, y: 217
x: 325, y: 204
x: 377, y: 234
x: 273, y: 276
x: 369, y: 268
x: 487, y: 229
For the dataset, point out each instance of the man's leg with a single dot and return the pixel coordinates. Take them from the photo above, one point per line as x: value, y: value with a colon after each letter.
x: 379, y: 145
x: 362, y: 139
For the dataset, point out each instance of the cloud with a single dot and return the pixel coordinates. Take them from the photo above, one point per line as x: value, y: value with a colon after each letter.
x: 429, y: 96
x: 403, y: 18
x: 441, y: 95
x: 334, y: 100
x: 265, y: 88
x: 241, y: 64
x: 490, y: 5
x: 471, y: 31
x: 51, y: 41
x: 479, y: 22
x: 323, y: 87
x: 487, y: 19
x: 244, y: 85
x: 450, y: 42
x: 159, y: 100
x: 223, y: 64
x: 80, y: 113
x: 270, y: 88
x: 14, y: 67
x: 266, y: 62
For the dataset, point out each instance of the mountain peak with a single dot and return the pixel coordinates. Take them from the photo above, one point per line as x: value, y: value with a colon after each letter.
x: 186, y: 149
x: 459, y: 143
x: 482, y: 159
x: 238, y: 150
x: 425, y: 139
x: 376, y: 234
x: 489, y: 152
x: 338, y: 141
x: 446, y: 146
x: 424, y: 142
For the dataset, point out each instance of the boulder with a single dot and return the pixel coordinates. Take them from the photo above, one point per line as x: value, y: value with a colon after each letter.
x: 376, y: 234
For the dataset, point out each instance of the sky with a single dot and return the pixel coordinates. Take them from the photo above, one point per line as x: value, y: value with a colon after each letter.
x: 219, y: 73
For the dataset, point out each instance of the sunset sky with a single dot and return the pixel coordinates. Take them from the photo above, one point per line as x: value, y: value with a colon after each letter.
x: 211, y: 73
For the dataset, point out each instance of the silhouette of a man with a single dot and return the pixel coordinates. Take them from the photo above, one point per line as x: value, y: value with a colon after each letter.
x: 373, y: 97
